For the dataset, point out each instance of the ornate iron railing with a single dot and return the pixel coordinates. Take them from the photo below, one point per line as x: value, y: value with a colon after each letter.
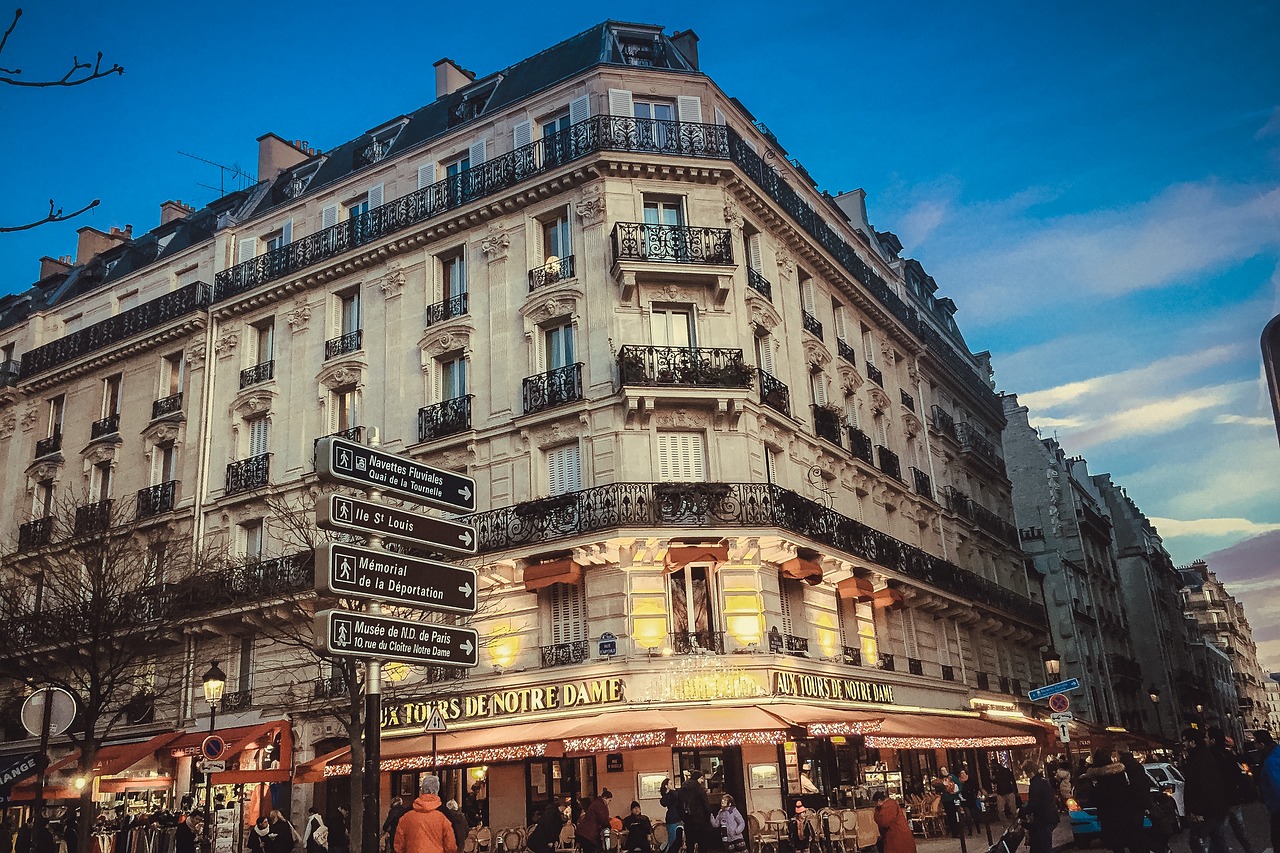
x: 972, y: 441
x: 439, y: 674
x: 1004, y: 684
x: 889, y: 463
x: 260, y: 372
x: 907, y: 400
x: 156, y: 499
x: 329, y: 688
x: 454, y: 306
x: 994, y: 524
x: 553, y: 388
x: 943, y: 422
x: 915, y: 666
x: 697, y: 642
x: 695, y: 367
x: 107, y: 426
x: 851, y: 655
x: 874, y: 374
x: 923, y: 483
x: 846, y: 352
x: 774, y: 394
x: 9, y: 371
x: 52, y: 444
x: 564, y: 654
x: 948, y: 673
x: 355, y: 433
x: 794, y: 645
x: 984, y: 680
x: 757, y: 282
x: 810, y: 323
x: 553, y: 271
x: 126, y: 324
x: 93, y: 518
x: 251, y: 473
x: 448, y: 417
x: 826, y: 424
x: 860, y: 445
x: 166, y: 406
x: 679, y: 244
x: 241, y: 700
x: 887, y: 662
x: 343, y: 344
x: 35, y: 534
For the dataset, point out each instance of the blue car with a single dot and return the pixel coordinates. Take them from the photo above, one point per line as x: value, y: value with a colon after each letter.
x: 1086, y: 829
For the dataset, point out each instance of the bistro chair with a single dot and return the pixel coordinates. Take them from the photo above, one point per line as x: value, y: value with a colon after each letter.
x: 834, y: 830
x: 513, y: 840
x: 762, y: 836
x: 566, y: 838
x: 658, y: 840
x: 868, y: 830
x: 849, y: 829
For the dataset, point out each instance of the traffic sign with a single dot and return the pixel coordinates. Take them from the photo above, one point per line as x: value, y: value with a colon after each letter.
x: 341, y: 461
x: 435, y: 722
x: 387, y: 576
x: 351, y: 514
x: 1061, y: 687
x: 1064, y: 732
x: 213, y: 747
x: 62, y: 710
x: 1059, y: 702
x: 1062, y: 717
x: 211, y: 766
x: 364, y: 635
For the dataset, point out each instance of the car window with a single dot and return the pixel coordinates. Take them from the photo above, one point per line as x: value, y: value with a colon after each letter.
x: 1157, y: 774
x: 1173, y: 771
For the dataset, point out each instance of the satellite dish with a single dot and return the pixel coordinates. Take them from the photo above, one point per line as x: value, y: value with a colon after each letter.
x: 62, y: 710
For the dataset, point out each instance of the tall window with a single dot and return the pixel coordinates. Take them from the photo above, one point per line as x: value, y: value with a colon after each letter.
x: 111, y: 396
x: 682, y: 457
x: 568, y: 613
x: 259, y: 436
x: 166, y: 465
x: 101, y: 481
x: 155, y: 567
x: 858, y: 628
x: 171, y: 374
x: 57, y: 408
x: 558, y: 346
x: 349, y: 312
x: 663, y: 210
x: 555, y: 237
x: 673, y: 327
x: 342, y: 410
x: 564, y: 470
x: 755, y: 258
x: 791, y: 603
x: 453, y: 276
x: 44, y: 499
x: 869, y: 346
x: 252, y: 540
x: 692, y: 595
x: 264, y: 340
x: 655, y: 110
x: 453, y: 378
x: 244, y: 667
x: 764, y: 353
x: 818, y: 387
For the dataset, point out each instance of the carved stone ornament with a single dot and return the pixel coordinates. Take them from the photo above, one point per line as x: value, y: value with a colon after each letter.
x: 913, y: 373
x: 443, y: 341
x: 44, y: 472
x: 495, y: 243
x: 675, y: 293
x: 31, y: 415
x: 680, y: 419
x: 879, y: 401
x: 786, y: 265
x: 345, y: 375
x: 732, y: 213
x: 254, y: 404
x: 550, y: 436
x: 196, y: 352
x: 8, y: 424
x: 165, y: 432
x: 391, y: 284
x: 850, y: 379
x: 225, y: 345
x: 591, y: 208
x: 763, y: 314
x: 910, y: 425
x: 816, y: 355
x: 552, y: 309
x: 298, y: 316
x: 98, y: 454
x: 890, y: 354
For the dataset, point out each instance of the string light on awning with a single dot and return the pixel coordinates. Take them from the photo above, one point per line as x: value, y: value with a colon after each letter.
x: 703, y: 740
x: 488, y: 755
x: 844, y: 729
x: 878, y: 742
x: 615, y: 743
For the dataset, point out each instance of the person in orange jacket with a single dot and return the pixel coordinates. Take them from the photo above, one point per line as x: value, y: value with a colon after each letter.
x: 425, y: 829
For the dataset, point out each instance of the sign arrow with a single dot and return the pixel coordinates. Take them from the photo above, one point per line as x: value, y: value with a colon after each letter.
x: 398, y: 578
x: 466, y: 538
x: 352, y: 515
x: 465, y: 491
x: 385, y: 638
x: 465, y: 589
x: 466, y: 647
x: 339, y: 460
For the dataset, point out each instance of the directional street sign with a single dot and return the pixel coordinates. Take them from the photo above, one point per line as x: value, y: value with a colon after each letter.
x: 369, y: 573
x: 1064, y: 733
x: 363, y: 635
x: 1059, y: 702
x: 208, y: 766
x: 351, y: 514
x: 341, y: 461
x: 435, y: 722
x: 1062, y: 717
x: 1048, y: 690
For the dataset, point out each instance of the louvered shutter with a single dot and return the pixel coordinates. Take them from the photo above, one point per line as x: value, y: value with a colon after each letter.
x: 720, y: 119
x: 682, y: 457
x: 564, y: 472
x: 621, y: 103
x: 259, y: 436
x: 522, y: 134
x: 839, y: 312
x: 246, y: 248
x: 909, y: 633
x: 568, y: 613
x: 426, y: 175
x: 689, y: 108
x: 944, y: 640
x: 819, y: 384
x: 869, y: 347
x: 754, y: 257
x: 764, y: 348
x: 784, y: 603
x: 286, y: 232
x: 335, y: 403
x: 375, y: 196
x: 807, y: 296
x: 851, y: 411
x: 580, y: 109
x: 329, y: 216
x: 476, y: 153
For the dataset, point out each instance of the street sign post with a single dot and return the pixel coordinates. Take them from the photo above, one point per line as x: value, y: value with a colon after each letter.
x: 1062, y: 717
x: 208, y: 766
x: 1048, y: 690
x: 1059, y: 702
x: 369, y: 573
x: 213, y: 747
x: 348, y: 514
x: 339, y: 460
x: 1064, y: 732
x: 435, y: 722
x: 363, y: 635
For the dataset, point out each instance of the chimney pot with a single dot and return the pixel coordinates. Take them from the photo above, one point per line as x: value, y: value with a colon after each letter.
x: 686, y: 41
x: 275, y: 155
x: 53, y: 266
x: 450, y: 77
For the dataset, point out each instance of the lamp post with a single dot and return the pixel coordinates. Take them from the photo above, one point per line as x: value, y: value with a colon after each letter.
x: 215, y: 680
x: 1052, y: 669
x: 1154, y: 696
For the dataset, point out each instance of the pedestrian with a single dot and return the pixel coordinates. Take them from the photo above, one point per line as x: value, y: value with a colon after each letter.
x: 1137, y: 805
x: 458, y: 820
x: 1238, y: 788
x: 424, y: 829
x: 259, y: 837
x: 22, y: 839
x: 315, y: 834
x: 800, y: 829
x: 546, y: 834
x: 340, y: 830
x: 1269, y: 780
x: 732, y: 825
x: 670, y: 800
x: 1006, y: 791
x: 394, y: 814
x: 42, y: 839
x: 1040, y: 814
x: 1111, y: 795
x: 638, y: 829
x: 283, y: 836
x: 695, y: 810
x: 971, y: 794
x: 190, y: 829
x: 952, y: 804
x: 1204, y: 795
x: 1066, y: 790
x: 895, y: 832
x: 6, y: 835
x: 589, y: 833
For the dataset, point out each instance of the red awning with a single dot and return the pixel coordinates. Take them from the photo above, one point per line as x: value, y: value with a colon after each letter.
x: 111, y: 760
x: 856, y: 589
x: 801, y: 569
x: 683, y: 555
x: 557, y: 571
x: 240, y: 738
x: 942, y: 731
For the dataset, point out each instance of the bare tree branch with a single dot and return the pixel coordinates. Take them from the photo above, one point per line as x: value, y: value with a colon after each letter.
x: 55, y: 215
x: 96, y: 71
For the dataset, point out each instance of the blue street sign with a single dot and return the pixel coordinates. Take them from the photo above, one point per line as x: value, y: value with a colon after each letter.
x: 1048, y: 690
x: 608, y: 644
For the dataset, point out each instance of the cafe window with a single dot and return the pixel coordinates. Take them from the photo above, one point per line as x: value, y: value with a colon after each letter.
x: 552, y: 779
x: 691, y: 610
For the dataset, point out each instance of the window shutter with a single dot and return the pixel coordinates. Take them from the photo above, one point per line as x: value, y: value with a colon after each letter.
x: 784, y: 603
x: 869, y: 347
x: 286, y: 232
x: 522, y: 134
x: 689, y: 108
x: 621, y: 103
x: 426, y: 175
x: 851, y: 411
x: 819, y: 383
x: 335, y: 403
x: 568, y: 613
x: 259, y: 436
x: 476, y: 153
x: 839, y: 312
x: 329, y: 216
x: 246, y: 248
x: 764, y: 346
x: 563, y: 470
x: 807, y: 297
x: 753, y: 252
x: 580, y: 109
x: 681, y: 457
x: 720, y: 119
x: 944, y: 641
x: 909, y: 633
x: 375, y: 196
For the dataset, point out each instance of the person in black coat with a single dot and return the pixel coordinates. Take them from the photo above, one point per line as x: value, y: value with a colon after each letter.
x: 696, y: 812
x: 1040, y: 814
x: 42, y: 837
x: 281, y: 839
x: 1116, y: 802
x: 1006, y: 790
x: 1205, y: 794
x: 389, y: 825
x: 670, y: 800
x: 340, y: 830
x: 550, y: 824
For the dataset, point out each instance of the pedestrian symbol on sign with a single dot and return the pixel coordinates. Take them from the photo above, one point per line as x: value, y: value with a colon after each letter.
x: 341, y: 630
x: 344, y: 570
x: 344, y: 459
x: 344, y: 510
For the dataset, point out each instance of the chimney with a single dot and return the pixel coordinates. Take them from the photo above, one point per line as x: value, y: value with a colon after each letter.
x: 276, y: 154
x: 54, y: 266
x: 171, y: 210
x: 686, y: 41
x: 450, y: 77
x: 94, y: 242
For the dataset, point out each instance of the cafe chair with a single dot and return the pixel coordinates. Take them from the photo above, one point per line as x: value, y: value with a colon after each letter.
x: 762, y: 836
x: 833, y: 829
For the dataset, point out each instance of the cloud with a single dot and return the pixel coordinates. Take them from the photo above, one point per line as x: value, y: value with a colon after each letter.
x: 1172, y: 527
x: 1246, y: 420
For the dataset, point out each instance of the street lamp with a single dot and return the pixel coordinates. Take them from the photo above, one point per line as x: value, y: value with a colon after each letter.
x: 1052, y: 664
x: 1154, y: 696
x: 215, y: 680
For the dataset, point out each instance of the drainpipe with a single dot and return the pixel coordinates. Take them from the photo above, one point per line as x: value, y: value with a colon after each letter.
x: 206, y: 430
x: 928, y: 452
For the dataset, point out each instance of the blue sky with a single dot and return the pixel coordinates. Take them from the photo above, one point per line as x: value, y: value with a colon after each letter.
x: 1097, y: 185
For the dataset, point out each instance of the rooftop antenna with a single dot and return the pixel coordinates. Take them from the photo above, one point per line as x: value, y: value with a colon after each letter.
x: 242, y: 178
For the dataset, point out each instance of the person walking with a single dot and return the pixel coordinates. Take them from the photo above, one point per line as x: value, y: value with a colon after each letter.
x: 315, y: 834
x: 340, y: 830
x: 1238, y: 791
x: 394, y: 814
x: 1204, y: 795
x: 670, y: 800
x: 695, y: 810
x: 259, y: 836
x: 1136, y: 805
x: 1040, y: 814
x: 425, y: 829
x: 1006, y: 791
x: 800, y: 829
x: 1269, y: 780
x: 283, y: 836
x: 895, y: 832
x: 546, y: 833
x: 952, y: 804
x: 589, y: 833
x: 1110, y: 793
x: 732, y: 825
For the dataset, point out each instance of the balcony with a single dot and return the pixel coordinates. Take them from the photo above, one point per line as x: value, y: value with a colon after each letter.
x: 248, y: 474
x: 774, y: 394
x: 448, y: 417
x: 672, y: 244
x: 984, y: 680
x: 874, y: 374
x: 689, y: 367
x: 110, y: 425
x: 826, y: 424
x: 9, y: 371
x: 455, y: 306
x: 788, y: 644
x: 343, y: 344
x: 330, y: 688
x: 851, y: 655
x: 241, y: 700
x: 915, y: 666
x: 943, y: 422
x: 553, y: 271
x: 948, y: 673
x: 441, y: 674
x: 907, y: 400
x: 979, y: 446
x: 260, y: 372
x: 757, y: 282
x: 553, y: 388
x: 52, y: 444
x: 154, y: 500
x: 846, y: 352
x: 564, y: 654
x: 887, y: 662
x: 35, y: 534
x: 860, y: 445
x: 889, y: 463
x: 355, y: 433
x: 923, y: 484
x: 93, y: 518
x: 698, y: 642
x: 811, y: 324
x: 167, y: 406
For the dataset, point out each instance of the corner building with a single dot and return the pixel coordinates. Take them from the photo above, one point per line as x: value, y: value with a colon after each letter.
x: 743, y: 506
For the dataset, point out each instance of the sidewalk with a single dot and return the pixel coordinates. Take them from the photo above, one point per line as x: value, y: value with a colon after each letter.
x: 978, y: 843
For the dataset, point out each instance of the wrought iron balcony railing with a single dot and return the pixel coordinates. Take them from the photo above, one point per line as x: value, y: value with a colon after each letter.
x: 553, y: 271
x: 915, y: 666
x: 790, y: 644
x: 553, y: 388
x: 907, y: 399
x: 810, y: 323
x: 93, y: 518
x: 851, y: 655
x: 52, y: 444
x: 260, y: 372
x: 874, y: 374
x: 241, y: 700
x: 113, y: 330
x: 343, y: 344
x: 692, y: 367
x: 974, y: 442
x: 440, y: 674
x: 678, y: 244
x: 887, y: 662
x: 943, y: 422
x: 454, y: 306
x: 355, y: 433
x: 247, y: 474
x: 107, y: 426
x: 1004, y: 684
x: 698, y: 642
x: 923, y: 483
x: 448, y: 417
x: 774, y: 394
x: 826, y: 424
x: 564, y: 654
x: 156, y: 499
x: 984, y: 680
x: 757, y: 282
x: 846, y: 352
x: 889, y: 463
x: 330, y: 688
x: 860, y: 445
x: 35, y: 534
x: 166, y: 406
x: 9, y: 371
x: 948, y: 673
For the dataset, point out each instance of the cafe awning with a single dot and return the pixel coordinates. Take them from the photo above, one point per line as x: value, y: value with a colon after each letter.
x: 111, y: 760
x: 542, y: 575
x: 828, y: 722
x: 943, y: 731
x: 238, y: 740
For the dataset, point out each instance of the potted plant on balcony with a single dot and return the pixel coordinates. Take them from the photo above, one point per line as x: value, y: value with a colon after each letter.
x: 735, y: 373
x: 632, y: 368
